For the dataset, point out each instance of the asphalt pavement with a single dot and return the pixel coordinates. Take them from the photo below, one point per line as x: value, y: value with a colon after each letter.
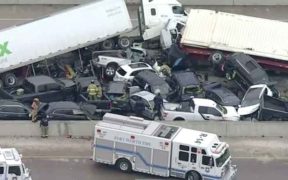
x: 86, y: 169
x: 70, y: 159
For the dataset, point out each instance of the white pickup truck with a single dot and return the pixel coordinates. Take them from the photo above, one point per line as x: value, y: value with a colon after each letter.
x: 198, y: 109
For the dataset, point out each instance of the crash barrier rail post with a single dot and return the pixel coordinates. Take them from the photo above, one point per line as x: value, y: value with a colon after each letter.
x: 86, y: 128
x: 184, y: 2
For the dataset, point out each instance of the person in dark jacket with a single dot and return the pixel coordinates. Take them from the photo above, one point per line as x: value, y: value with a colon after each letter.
x: 158, y: 103
x: 44, y: 127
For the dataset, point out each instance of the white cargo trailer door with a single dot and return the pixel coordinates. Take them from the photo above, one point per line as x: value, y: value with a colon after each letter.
x: 63, y: 32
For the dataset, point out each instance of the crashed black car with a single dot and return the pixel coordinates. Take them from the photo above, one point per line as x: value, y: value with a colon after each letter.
x: 150, y: 81
x: 14, y: 110
x: 245, y: 71
x: 220, y: 94
x: 186, y: 84
x: 62, y: 110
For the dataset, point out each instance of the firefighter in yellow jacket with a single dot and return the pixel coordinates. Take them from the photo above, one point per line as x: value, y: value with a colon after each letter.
x: 94, y: 92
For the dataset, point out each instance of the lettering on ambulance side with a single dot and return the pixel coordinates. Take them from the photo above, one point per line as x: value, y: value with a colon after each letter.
x: 131, y: 141
x: 4, y: 49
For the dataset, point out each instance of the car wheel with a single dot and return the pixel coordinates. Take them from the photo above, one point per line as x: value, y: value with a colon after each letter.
x: 179, y: 119
x: 124, y: 165
x: 10, y: 80
x: 110, y: 70
x: 124, y: 42
x: 108, y: 44
x: 192, y: 175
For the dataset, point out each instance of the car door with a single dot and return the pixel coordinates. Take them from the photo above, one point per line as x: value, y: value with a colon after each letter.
x: 210, y: 113
x: 207, y: 163
x: 64, y: 114
x: 148, y: 111
x: 14, y: 173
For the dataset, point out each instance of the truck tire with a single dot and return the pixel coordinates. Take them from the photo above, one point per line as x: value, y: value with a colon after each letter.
x: 10, y: 80
x: 193, y: 175
x: 216, y: 58
x: 108, y: 44
x: 124, y: 165
x: 124, y: 42
x: 110, y: 70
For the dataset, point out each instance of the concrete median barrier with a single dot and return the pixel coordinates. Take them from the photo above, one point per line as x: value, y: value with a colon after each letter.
x: 86, y: 128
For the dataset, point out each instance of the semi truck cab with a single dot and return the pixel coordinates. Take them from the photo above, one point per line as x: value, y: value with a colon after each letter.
x: 153, y: 15
x: 11, y: 166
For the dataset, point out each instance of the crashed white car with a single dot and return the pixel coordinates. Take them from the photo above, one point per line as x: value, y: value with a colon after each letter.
x: 128, y: 71
x: 251, y: 100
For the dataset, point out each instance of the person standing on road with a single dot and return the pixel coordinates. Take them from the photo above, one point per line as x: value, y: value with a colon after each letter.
x: 158, y: 103
x: 44, y: 127
x: 35, y: 108
x: 92, y: 91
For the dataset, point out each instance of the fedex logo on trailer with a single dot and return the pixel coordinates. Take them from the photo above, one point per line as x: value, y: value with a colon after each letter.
x: 4, y: 49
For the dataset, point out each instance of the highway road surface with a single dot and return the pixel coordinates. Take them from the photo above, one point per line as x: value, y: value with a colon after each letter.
x: 63, y: 168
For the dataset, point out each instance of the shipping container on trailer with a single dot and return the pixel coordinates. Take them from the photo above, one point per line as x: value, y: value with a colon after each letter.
x: 62, y: 32
x: 132, y: 143
x: 266, y: 40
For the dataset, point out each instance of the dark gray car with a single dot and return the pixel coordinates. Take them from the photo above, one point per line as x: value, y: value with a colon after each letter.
x: 220, y: 94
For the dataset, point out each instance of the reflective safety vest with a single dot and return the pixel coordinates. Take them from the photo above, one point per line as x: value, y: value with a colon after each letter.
x: 92, y: 89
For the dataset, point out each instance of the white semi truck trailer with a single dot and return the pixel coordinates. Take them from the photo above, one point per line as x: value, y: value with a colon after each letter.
x: 217, y: 34
x: 132, y: 143
x: 99, y: 22
x: 60, y: 33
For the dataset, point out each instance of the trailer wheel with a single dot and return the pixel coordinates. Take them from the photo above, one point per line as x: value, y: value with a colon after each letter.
x: 10, y: 80
x: 124, y: 165
x: 124, y: 42
x: 216, y: 58
x: 108, y: 44
x: 110, y: 70
x: 192, y: 175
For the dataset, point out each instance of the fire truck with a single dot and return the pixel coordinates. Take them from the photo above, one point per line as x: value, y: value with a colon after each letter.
x: 134, y: 144
x: 11, y: 166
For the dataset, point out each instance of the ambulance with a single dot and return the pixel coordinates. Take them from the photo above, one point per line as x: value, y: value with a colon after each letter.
x: 11, y: 166
x: 135, y: 144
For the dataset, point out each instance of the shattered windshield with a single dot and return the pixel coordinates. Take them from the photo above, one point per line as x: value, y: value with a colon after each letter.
x: 222, y: 159
x: 252, y: 97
